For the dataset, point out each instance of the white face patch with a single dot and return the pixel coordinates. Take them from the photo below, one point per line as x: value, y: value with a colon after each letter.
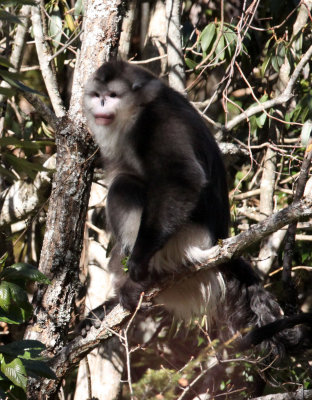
x: 111, y: 111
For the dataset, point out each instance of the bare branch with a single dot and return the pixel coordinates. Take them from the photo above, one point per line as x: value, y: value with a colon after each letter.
x: 285, y: 96
x: 174, y: 45
x: 17, y: 52
x: 44, y: 56
x: 298, y: 395
x: 290, y: 290
x: 74, y: 351
x: 24, y: 198
x: 127, y: 30
x: 43, y: 110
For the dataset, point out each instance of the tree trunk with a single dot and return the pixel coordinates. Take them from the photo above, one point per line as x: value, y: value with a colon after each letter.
x: 61, y: 251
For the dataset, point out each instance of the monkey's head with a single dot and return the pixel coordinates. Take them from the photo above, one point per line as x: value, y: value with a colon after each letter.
x: 115, y: 95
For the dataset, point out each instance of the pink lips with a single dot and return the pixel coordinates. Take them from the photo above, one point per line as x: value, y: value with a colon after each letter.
x: 104, y: 119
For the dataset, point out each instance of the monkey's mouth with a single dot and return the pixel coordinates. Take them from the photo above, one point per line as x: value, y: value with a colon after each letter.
x: 104, y: 119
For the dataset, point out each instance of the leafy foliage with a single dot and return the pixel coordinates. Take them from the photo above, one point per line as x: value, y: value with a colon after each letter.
x: 19, y: 359
x: 235, y: 62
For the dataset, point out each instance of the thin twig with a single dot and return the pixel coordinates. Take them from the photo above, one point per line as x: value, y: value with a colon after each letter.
x: 126, y: 345
x: 285, y: 96
x: 291, y: 231
x: 43, y: 57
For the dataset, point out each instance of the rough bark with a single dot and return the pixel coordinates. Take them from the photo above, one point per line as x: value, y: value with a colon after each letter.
x: 174, y: 45
x: 24, y: 198
x: 73, y: 352
x: 155, y: 43
x: 127, y: 30
x: 290, y: 293
x: 63, y: 239
x: 300, y: 394
x: 62, y: 245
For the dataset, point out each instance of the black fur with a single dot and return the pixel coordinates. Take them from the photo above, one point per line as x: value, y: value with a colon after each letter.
x: 170, y: 168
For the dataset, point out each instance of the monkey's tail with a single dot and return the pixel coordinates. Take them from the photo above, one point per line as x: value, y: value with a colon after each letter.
x: 256, y: 307
x: 280, y: 327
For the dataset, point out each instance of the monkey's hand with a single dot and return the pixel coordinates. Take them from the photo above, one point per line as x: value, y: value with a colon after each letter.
x: 138, y: 270
x: 130, y: 292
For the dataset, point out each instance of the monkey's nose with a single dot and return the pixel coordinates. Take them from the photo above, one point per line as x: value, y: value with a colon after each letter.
x: 102, y: 102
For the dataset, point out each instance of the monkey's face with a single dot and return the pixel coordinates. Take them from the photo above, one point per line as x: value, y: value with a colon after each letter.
x: 114, y: 98
x: 110, y: 105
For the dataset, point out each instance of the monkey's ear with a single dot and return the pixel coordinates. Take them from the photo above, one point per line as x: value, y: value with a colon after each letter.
x: 138, y: 85
x: 153, y: 84
x: 149, y: 89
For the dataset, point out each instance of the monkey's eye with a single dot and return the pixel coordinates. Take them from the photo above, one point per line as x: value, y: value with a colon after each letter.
x: 95, y: 94
x: 113, y: 94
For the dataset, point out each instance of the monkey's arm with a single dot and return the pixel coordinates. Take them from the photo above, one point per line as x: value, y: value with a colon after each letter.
x: 172, y: 194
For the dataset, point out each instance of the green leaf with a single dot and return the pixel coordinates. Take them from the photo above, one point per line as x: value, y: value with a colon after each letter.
x: 16, y: 315
x: 69, y: 19
x: 15, y: 371
x: 253, y: 124
x: 263, y: 98
x: 5, y: 172
x: 220, y: 53
x: 266, y: 63
x: 25, y: 144
x: 281, y: 53
x: 4, y: 62
x: 124, y: 263
x: 24, y: 271
x: 190, y: 63
x: 4, y: 15
x: 38, y: 368
x: 261, y: 120
x: 79, y: 8
x: 47, y: 131
x: 3, y: 260
x: 26, y: 349
x: 19, y: 85
x: 298, y: 44
x: 55, y: 26
x: 230, y: 38
x: 9, y: 75
x: 8, y: 92
x: 305, y: 112
x: 207, y: 36
x: 11, y: 292
x: 297, y: 112
x: 23, y: 166
x: 275, y: 63
x: 5, y: 296
x: 14, y: 305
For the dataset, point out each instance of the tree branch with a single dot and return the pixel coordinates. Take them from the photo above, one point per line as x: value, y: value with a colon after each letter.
x: 174, y: 45
x: 282, y: 98
x: 299, y: 394
x: 289, y: 289
x: 24, y: 198
x: 74, y: 351
x: 43, y: 110
x: 43, y: 57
